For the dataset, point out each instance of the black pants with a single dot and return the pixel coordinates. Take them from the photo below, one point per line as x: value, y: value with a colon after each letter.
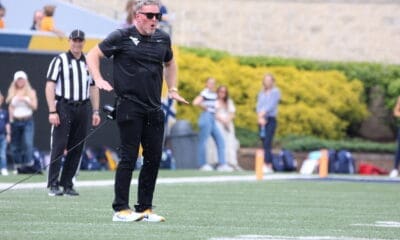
x: 73, y: 128
x: 269, y: 137
x: 136, y: 128
x: 397, y: 156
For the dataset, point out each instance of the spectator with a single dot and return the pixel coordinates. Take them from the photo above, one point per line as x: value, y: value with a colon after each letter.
x: 207, y: 125
x: 395, y: 170
x: 225, y: 113
x: 267, y: 110
x: 47, y: 24
x: 22, y: 102
x: 37, y: 19
x: 130, y: 14
x: 2, y: 14
x: 4, y: 137
x: 164, y: 24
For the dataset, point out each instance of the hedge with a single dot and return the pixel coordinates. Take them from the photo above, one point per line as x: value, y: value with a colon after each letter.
x: 309, y: 143
x: 314, y: 102
x: 385, y: 75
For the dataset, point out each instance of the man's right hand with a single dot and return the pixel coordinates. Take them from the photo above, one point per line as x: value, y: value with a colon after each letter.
x: 103, y: 84
x: 54, y: 119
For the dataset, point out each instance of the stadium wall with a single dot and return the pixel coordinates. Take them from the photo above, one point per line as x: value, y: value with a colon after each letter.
x: 339, y: 30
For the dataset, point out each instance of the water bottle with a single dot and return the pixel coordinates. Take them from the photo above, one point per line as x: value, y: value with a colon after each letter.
x: 262, y: 131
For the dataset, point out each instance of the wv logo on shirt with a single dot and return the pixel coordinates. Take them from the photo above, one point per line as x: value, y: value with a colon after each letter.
x: 135, y: 40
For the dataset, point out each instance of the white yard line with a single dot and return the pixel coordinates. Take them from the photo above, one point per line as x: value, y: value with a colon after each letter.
x: 385, y: 224
x: 270, y: 237
x: 213, y: 179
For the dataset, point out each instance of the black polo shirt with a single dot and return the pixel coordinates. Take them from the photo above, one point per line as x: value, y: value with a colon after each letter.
x: 138, y: 65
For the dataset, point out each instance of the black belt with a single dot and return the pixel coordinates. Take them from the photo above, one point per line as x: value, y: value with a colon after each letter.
x: 71, y: 102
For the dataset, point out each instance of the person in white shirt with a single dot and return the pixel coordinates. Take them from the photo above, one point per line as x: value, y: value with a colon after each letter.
x: 22, y: 102
x: 224, y: 114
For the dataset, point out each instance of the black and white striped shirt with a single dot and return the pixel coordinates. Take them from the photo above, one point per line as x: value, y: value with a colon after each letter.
x: 71, y: 76
x: 209, y: 99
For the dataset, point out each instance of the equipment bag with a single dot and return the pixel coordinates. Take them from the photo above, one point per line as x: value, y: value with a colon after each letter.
x: 289, y: 161
x: 341, y: 162
x: 345, y: 162
x: 284, y: 161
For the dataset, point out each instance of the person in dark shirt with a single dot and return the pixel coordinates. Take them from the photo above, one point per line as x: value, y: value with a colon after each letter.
x: 140, y: 54
x: 5, y: 131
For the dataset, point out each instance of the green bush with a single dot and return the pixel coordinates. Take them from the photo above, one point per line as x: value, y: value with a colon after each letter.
x: 319, y: 103
x: 371, y: 74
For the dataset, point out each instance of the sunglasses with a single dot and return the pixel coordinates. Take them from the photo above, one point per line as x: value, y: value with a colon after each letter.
x: 150, y: 15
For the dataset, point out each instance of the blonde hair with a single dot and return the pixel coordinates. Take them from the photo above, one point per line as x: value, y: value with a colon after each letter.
x: 26, y: 89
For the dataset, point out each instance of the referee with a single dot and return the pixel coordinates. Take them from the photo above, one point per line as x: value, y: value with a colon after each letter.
x: 68, y: 90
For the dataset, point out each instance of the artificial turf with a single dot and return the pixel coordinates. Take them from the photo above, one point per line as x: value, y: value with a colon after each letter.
x: 283, y: 209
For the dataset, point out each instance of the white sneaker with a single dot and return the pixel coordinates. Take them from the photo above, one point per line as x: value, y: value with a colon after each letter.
x: 267, y: 169
x: 149, y: 216
x: 224, y: 168
x: 4, y: 172
x: 237, y: 168
x: 206, y: 168
x: 127, y: 215
x: 394, y: 173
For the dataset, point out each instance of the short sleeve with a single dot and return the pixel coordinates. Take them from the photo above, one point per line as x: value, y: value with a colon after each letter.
x: 203, y: 93
x: 54, y: 69
x: 110, y: 45
x: 169, y: 54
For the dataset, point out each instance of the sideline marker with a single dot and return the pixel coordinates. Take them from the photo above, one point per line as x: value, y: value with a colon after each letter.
x: 259, y: 164
x: 323, y: 164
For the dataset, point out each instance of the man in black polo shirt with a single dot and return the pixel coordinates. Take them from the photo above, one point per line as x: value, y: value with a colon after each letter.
x: 68, y: 90
x: 139, y: 52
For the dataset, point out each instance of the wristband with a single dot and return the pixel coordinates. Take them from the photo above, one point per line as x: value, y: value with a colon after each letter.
x: 96, y: 112
x: 173, y: 89
x: 52, y: 112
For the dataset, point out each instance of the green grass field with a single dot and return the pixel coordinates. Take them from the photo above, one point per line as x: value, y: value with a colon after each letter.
x: 270, y: 209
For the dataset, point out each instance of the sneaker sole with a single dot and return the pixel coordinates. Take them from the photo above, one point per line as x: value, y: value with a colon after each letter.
x: 54, y: 195
x: 153, y: 221
x: 119, y: 219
